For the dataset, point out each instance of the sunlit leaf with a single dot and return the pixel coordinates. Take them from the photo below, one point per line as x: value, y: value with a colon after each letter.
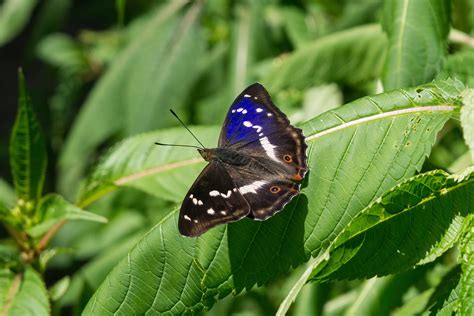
x: 417, y: 33
x: 137, y: 161
x: 349, y: 169
x: 23, y: 294
x: 351, y: 56
x: 387, y: 229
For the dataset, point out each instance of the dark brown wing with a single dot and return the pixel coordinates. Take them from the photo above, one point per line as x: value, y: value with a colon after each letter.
x: 212, y: 200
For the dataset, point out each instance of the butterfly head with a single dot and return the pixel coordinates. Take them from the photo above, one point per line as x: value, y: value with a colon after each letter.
x: 206, y: 153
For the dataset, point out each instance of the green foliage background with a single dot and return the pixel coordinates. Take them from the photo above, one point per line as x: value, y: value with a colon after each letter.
x: 383, y: 91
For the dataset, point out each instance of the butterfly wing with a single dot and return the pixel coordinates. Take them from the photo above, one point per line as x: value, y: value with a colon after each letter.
x: 265, y: 185
x: 212, y: 200
x: 251, y: 116
x: 256, y: 128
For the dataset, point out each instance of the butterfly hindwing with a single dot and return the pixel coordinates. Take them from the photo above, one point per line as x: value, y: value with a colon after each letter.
x: 267, y: 192
x: 212, y: 200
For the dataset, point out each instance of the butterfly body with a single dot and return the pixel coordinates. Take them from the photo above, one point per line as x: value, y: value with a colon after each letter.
x: 255, y: 170
x: 224, y: 155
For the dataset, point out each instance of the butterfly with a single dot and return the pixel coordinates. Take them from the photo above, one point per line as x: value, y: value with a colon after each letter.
x: 254, y: 172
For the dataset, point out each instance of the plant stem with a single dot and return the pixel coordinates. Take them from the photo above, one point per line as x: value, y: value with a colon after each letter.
x: 48, y: 236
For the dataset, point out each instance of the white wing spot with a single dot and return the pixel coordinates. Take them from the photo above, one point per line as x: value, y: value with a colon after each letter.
x: 247, y: 95
x: 200, y: 202
x: 255, y: 98
x: 244, y: 112
x: 233, y: 111
x: 196, y: 221
x: 186, y: 217
x: 239, y: 109
x: 247, y: 124
x: 223, y: 212
x: 252, y: 187
x: 261, y: 134
x: 195, y: 201
x: 214, y: 193
x: 269, y: 114
x: 234, y: 189
x: 191, y: 196
x: 268, y: 147
x: 258, y: 128
x: 258, y: 110
x: 226, y: 196
x: 211, y: 211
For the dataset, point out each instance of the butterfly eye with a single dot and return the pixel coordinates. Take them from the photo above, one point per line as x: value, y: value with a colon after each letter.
x: 275, y: 189
x: 288, y: 158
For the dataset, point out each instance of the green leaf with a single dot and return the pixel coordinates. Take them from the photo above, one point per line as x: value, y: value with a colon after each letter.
x: 14, y: 15
x: 467, y: 119
x: 466, y: 258
x: 318, y: 100
x: 415, y: 306
x: 162, y: 171
x: 27, y: 149
x: 348, y: 170
x: 23, y: 294
x: 417, y: 33
x: 156, y: 71
x: 62, y: 51
x: 53, y: 208
x: 461, y: 66
x: 380, y: 296
x: 444, y: 299
x: 7, y: 194
x: 352, y: 56
x: 59, y: 288
x: 9, y: 255
x: 418, y: 219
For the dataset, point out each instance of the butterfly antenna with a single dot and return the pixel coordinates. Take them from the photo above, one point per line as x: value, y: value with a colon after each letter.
x: 176, y: 145
x: 182, y: 123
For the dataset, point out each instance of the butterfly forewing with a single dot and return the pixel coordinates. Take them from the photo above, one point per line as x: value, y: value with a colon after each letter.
x: 212, y: 200
x: 251, y: 116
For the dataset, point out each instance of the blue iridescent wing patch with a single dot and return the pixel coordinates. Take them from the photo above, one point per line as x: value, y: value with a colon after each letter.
x: 251, y: 116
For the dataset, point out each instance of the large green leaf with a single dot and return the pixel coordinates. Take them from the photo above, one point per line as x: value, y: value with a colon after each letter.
x: 356, y: 152
x: 14, y: 15
x: 466, y: 258
x: 137, y: 161
x: 156, y: 71
x: 417, y: 33
x: 27, y: 149
x: 419, y: 218
x: 23, y: 294
x: 352, y: 56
